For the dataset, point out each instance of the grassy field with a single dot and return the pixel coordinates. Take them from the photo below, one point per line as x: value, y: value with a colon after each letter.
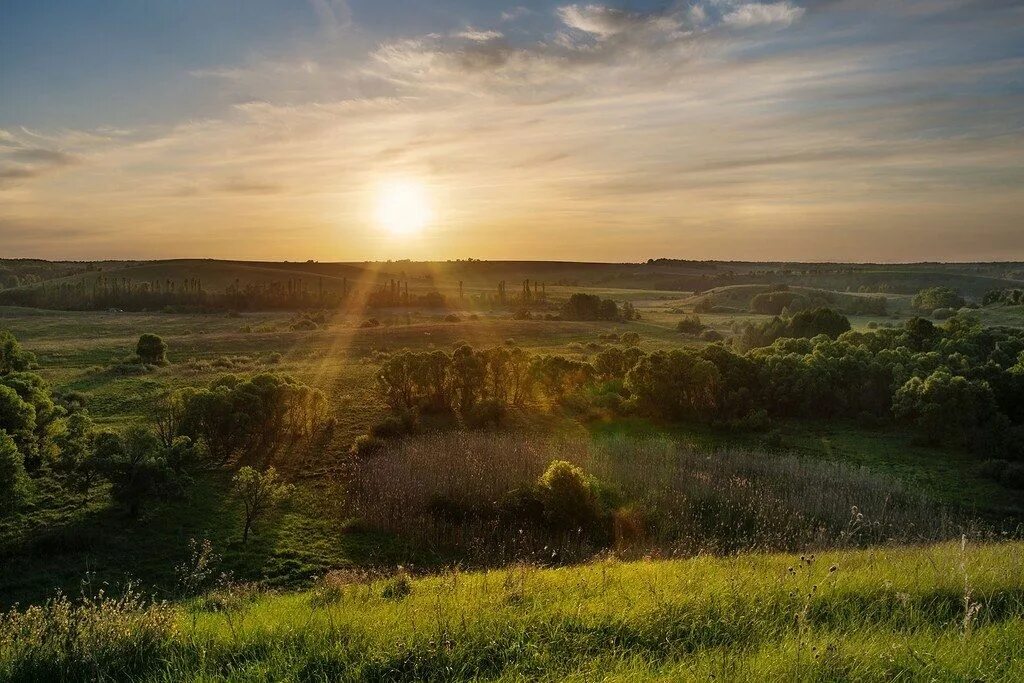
x: 362, y: 574
x: 925, y: 613
x: 81, y: 351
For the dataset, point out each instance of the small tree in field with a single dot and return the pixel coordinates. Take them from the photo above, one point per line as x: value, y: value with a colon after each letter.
x: 151, y: 349
x: 259, y: 492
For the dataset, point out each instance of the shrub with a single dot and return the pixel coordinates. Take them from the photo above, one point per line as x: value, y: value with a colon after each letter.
x: 1013, y: 476
x: 486, y: 412
x: 364, y: 445
x: 12, y: 357
x: 568, y: 497
x: 397, y: 587
x: 690, y: 325
x: 394, y: 426
x: 14, y: 482
x: 937, y: 297
x: 370, y: 322
x: 589, y: 307
x: 710, y: 335
x: 452, y: 318
x: 151, y: 349
x: 630, y: 337
x: 943, y: 313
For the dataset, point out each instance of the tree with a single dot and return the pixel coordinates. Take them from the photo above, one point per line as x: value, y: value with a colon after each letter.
x: 135, y: 465
x: 944, y: 406
x: 927, y: 300
x: 151, y: 349
x: 589, y: 307
x: 168, y: 413
x: 14, y: 483
x: 78, y: 464
x: 18, y: 421
x: 259, y: 493
x: 691, y: 324
x: 12, y: 357
x: 675, y: 384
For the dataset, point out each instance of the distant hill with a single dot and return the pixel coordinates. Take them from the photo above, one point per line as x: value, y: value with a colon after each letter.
x: 45, y: 283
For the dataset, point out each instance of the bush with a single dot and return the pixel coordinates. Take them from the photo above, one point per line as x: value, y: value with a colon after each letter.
x: 943, y: 313
x: 589, y: 307
x: 452, y: 318
x: 630, y: 338
x: 690, y: 325
x: 486, y: 412
x: 394, y: 426
x: 12, y: 357
x: 365, y: 445
x: 568, y: 496
x: 1013, y: 476
x: 151, y: 349
x: 397, y: 587
x: 710, y: 335
x: 14, y: 482
x: 937, y: 297
x: 370, y: 322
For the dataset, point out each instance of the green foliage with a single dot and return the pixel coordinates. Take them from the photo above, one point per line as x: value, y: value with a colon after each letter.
x: 151, y: 349
x: 691, y: 324
x: 136, y: 466
x: 96, y: 638
x: 675, y: 384
x: 582, y: 306
x: 13, y: 358
x: 944, y: 406
x: 568, y: 496
x: 929, y: 299
x: 259, y: 493
x: 250, y: 419
x: 805, y: 324
x: 14, y: 483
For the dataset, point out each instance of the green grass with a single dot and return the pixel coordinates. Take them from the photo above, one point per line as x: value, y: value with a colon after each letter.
x: 943, y: 612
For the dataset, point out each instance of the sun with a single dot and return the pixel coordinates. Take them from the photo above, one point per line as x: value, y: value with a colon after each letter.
x: 403, y: 207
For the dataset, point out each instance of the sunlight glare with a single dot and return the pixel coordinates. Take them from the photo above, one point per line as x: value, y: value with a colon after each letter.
x: 403, y: 207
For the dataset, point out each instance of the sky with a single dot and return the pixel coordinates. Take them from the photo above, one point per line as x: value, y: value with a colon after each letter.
x: 818, y: 130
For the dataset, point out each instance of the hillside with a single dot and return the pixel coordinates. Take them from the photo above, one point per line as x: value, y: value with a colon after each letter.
x: 946, y: 612
x: 972, y: 280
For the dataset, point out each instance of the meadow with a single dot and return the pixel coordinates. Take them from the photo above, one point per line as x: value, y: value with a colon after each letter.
x: 593, y: 527
x: 940, y: 612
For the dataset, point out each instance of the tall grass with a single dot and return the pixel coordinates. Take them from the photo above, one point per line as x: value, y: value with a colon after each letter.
x: 946, y: 612
x: 449, y: 492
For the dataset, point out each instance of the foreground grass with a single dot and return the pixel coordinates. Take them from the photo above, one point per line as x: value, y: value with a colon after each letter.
x: 943, y: 612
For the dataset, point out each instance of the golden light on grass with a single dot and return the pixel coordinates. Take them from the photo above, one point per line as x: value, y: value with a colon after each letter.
x: 403, y: 207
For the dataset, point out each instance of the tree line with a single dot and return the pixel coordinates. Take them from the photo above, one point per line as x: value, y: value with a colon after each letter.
x: 959, y: 384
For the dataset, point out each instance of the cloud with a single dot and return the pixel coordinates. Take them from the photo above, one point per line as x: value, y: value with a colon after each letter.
x: 479, y: 36
x: 763, y: 14
x: 605, y: 21
x: 334, y: 15
x: 517, y: 12
x: 46, y: 156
